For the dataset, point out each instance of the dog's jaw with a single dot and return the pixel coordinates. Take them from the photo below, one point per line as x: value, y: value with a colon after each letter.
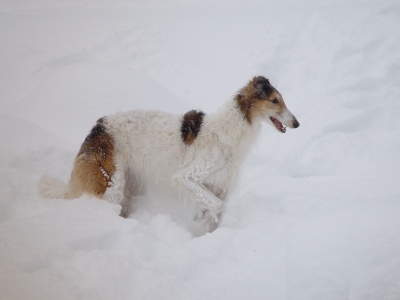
x: 278, y: 125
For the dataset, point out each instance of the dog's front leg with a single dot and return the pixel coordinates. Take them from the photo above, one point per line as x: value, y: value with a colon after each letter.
x: 212, y: 206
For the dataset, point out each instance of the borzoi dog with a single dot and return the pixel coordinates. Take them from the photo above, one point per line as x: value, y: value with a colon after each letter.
x: 193, y: 157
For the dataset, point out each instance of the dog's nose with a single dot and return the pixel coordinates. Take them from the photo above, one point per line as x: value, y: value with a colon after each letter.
x: 295, y: 123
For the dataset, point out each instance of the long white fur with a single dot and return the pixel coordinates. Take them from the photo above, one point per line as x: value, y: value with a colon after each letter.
x: 150, y: 151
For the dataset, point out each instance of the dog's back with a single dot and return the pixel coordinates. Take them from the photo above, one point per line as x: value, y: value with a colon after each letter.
x: 148, y: 141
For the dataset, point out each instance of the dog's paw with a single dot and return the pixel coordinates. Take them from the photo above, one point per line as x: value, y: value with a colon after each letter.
x: 207, y: 215
x: 200, y: 215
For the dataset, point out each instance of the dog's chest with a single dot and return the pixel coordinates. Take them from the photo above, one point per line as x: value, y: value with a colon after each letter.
x: 221, y: 175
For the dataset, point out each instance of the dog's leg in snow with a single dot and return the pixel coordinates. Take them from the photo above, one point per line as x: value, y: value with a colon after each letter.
x: 115, y: 191
x: 211, y: 205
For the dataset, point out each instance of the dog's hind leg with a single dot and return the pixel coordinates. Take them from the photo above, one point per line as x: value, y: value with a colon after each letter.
x: 124, y: 188
x: 88, y: 176
x: 115, y: 193
x: 94, y: 164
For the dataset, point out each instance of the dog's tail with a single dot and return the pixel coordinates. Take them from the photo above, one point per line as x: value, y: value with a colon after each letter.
x: 50, y: 187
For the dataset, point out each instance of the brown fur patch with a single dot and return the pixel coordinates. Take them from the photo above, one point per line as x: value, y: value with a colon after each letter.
x: 191, y: 125
x: 256, y: 97
x: 94, y: 163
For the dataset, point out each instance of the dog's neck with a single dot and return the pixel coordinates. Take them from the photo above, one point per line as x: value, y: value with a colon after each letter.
x: 236, y: 131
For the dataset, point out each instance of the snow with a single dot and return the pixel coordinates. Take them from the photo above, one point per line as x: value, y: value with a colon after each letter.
x: 316, y: 213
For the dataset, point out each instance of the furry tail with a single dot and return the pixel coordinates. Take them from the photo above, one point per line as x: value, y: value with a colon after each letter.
x: 50, y: 187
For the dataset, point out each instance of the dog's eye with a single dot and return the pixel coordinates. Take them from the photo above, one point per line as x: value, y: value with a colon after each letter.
x: 275, y: 101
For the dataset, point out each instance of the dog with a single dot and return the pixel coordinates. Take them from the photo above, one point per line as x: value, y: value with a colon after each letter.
x: 194, y: 157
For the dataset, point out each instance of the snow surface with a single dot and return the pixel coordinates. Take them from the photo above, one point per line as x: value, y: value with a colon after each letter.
x: 317, y: 212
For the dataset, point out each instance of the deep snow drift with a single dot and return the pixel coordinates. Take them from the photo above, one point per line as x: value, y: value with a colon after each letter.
x: 317, y: 212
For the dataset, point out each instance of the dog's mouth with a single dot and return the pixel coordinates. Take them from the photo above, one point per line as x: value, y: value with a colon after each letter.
x: 278, y: 125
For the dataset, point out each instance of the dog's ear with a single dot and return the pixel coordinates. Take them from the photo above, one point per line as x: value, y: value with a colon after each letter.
x: 260, y: 84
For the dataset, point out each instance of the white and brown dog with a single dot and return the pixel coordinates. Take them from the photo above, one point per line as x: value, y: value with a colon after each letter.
x: 191, y: 157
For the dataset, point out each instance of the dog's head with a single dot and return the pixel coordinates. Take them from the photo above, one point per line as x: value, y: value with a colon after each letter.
x: 259, y: 99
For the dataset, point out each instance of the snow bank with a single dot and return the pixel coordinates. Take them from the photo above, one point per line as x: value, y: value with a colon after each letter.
x: 316, y: 212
